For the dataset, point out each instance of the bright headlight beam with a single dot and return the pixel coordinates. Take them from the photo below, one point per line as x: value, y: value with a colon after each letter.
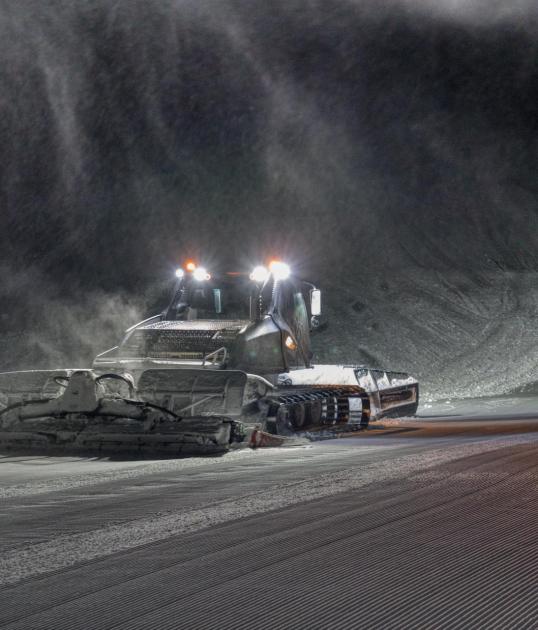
x: 280, y: 270
x: 179, y: 273
x: 259, y: 274
x: 200, y: 274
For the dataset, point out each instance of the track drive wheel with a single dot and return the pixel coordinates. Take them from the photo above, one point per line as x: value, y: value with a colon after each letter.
x: 283, y: 422
x: 298, y: 415
x: 313, y: 413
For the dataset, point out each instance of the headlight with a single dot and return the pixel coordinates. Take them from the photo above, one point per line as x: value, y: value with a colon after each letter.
x: 280, y: 270
x: 200, y: 274
x: 259, y: 274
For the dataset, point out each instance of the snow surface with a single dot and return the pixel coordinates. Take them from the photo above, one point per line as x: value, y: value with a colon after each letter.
x: 65, y: 550
x: 461, y: 335
x: 492, y: 408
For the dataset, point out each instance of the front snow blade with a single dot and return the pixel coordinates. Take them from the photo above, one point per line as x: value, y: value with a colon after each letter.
x: 100, y: 436
x: 87, y: 419
x: 192, y: 392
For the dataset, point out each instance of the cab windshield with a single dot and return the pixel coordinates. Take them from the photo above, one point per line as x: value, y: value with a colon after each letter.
x: 222, y: 298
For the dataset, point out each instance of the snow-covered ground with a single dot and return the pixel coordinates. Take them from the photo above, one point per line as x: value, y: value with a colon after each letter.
x: 345, y: 465
x: 405, y: 527
x: 462, y: 335
x: 491, y: 407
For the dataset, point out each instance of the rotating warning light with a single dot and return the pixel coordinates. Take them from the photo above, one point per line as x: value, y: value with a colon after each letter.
x: 190, y: 266
x: 179, y: 273
x: 259, y: 274
x: 200, y: 274
x: 280, y: 270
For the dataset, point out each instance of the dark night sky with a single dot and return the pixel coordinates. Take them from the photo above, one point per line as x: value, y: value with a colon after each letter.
x: 371, y: 137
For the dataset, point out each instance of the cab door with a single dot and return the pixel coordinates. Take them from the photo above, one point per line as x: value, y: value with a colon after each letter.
x: 293, y: 320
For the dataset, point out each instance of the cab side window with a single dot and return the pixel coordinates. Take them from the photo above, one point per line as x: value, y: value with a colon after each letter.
x: 287, y: 303
x: 293, y: 310
x: 301, y: 314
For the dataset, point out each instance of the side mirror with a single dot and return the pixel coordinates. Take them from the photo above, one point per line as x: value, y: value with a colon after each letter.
x: 315, y: 302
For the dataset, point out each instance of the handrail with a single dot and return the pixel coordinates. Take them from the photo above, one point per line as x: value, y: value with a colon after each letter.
x: 214, y: 356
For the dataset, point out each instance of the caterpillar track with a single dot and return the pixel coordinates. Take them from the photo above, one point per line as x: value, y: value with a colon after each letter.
x: 302, y: 409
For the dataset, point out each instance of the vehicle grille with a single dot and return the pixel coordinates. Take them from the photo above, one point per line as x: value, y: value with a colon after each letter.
x: 176, y: 344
